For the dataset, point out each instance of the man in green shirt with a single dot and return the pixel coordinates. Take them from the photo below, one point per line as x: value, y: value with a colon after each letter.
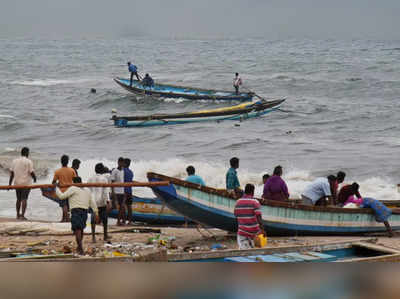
x: 232, y: 181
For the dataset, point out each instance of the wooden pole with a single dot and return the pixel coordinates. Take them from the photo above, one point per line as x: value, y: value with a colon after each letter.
x: 131, y: 184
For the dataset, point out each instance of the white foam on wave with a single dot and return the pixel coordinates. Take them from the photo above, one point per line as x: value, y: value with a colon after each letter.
x: 6, y: 116
x: 173, y: 100
x: 51, y: 82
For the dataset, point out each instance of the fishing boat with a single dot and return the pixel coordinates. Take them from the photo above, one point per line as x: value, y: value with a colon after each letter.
x: 174, y: 91
x: 215, y: 208
x: 147, y: 210
x: 238, y: 112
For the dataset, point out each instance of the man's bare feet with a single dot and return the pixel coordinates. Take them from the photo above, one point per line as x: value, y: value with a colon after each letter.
x: 93, y: 240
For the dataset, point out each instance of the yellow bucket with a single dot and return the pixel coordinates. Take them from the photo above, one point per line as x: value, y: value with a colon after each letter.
x: 260, y: 241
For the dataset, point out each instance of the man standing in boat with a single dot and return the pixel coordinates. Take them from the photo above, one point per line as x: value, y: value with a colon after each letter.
x: 133, y: 70
x: 232, y: 181
x: 22, y: 174
x: 237, y: 81
x: 249, y: 218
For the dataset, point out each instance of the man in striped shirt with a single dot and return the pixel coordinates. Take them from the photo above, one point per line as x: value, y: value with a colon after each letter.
x: 249, y: 218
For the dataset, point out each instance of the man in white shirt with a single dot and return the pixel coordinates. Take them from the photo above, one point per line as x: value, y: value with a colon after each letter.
x: 319, y: 192
x: 101, y: 197
x: 21, y: 173
x: 118, y: 193
x: 80, y: 200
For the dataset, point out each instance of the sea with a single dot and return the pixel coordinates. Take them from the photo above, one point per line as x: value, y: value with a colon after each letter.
x: 341, y: 111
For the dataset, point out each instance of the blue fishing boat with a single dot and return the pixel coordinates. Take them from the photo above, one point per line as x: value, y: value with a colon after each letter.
x: 215, y: 208
x: 147, y: 210
x: 239, y: 112
x: 174, y: 91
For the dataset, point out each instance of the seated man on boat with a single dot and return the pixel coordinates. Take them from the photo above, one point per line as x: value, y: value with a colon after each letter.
x: 237, y: 81
x: 249, y: 218
x: 346, y: 192
x: 232, y: 181
x: 275, y: 188
x: 192, y: 177
x: 319, y: 192
x: 148, y: 81
x: 133, y: 71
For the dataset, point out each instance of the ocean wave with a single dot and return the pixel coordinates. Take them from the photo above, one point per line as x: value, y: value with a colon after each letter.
x: 51, y: 82
x: 214, y: 173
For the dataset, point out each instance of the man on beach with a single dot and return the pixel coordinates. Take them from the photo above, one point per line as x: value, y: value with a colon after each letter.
x: 80, y: 200
x: 249, y: 218
x: 101, y: 197
x: 232, y: 181
x: 128, y: 178
x: 118, y: 193
x: 64, y: 176
x: 22, y: 174
x: 133, y: 71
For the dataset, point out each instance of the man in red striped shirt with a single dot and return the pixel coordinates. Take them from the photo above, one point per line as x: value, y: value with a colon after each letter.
x: 249, y: 218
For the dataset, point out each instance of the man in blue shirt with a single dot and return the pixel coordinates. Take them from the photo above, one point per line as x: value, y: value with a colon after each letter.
x: 232, y: 181
x: 133, y: 70
x: 192, y: 177
x: 128, y: 177
x: 148, y: 81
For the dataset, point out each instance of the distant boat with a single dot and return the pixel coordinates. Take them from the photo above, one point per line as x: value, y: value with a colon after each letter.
x: 174, y: 91
x: 215, y: 208
x: 147, y: 210
x: 238, y: 112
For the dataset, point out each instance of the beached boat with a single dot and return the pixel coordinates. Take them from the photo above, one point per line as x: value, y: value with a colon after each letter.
x: 191, y: 93
x: 147, y: 210
x: 238, y: 112
x: 213, y: 207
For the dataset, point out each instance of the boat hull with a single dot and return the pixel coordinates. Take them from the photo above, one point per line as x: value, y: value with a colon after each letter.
x: 190, y: 93
x: 123, y: 123
x: 214, y: 208
x: 147, y: 210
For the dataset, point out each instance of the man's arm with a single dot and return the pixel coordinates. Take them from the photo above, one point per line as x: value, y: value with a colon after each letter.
x: 33, y: 176
x: 64, y: 195
x: 55, y: 179
x: 260, y: 222
x: 11, y: 178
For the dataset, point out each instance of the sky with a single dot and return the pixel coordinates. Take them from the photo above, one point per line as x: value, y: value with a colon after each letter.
x: 273, y: 19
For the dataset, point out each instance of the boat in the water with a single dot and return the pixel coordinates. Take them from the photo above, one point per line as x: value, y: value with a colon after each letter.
x: 147, y: 210
x: 215, y: 208
x: 174, y: 91
x: 238, y: 112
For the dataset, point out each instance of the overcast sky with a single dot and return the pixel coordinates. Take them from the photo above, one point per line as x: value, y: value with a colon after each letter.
x: 272, y: 19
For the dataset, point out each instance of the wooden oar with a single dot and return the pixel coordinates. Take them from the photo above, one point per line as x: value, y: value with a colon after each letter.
x: 131, y: 184
x: 256, y: 95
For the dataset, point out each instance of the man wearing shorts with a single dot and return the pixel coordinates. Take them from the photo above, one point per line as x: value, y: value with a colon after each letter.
x: 80, y: 200
x: 118, y: 193
x: 22, y: 174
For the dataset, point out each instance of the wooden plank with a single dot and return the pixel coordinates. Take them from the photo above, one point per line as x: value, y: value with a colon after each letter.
x: 131, y: 184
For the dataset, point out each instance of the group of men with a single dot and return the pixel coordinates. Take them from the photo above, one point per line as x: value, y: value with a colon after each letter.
x: 76, y: 201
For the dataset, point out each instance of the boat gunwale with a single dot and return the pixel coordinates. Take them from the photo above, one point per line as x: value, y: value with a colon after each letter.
x: 272, y: 203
